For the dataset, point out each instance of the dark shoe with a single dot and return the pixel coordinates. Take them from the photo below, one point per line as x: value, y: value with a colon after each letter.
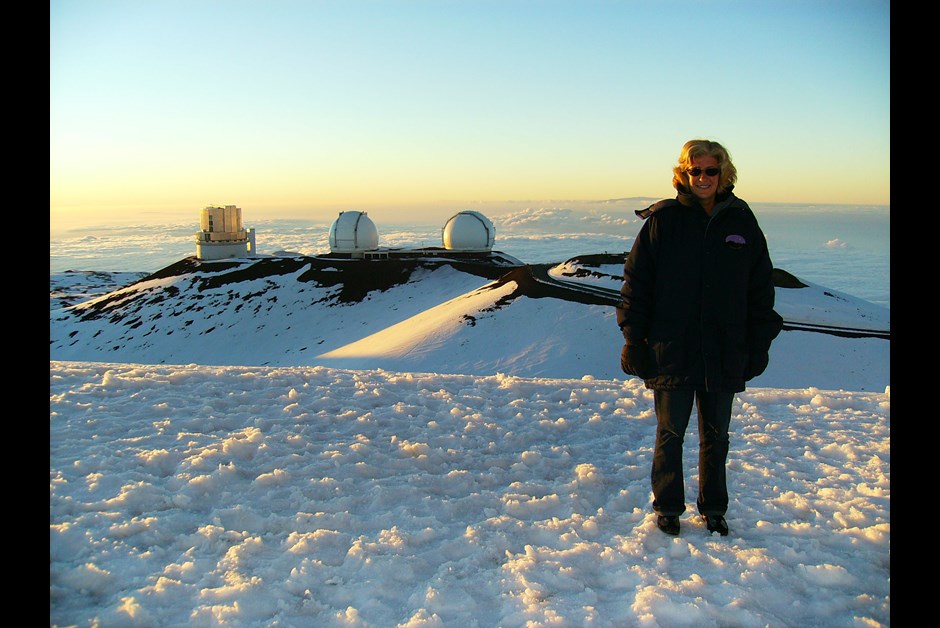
x: 716, y: 523
x: 668, y: 524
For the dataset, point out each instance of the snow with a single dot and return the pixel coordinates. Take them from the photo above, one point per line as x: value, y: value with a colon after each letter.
x: 325, y: 495
x: 434, y: 320
x: 288, y: 496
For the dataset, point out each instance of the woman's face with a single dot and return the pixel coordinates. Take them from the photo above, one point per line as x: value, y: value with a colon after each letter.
x: 704, y: 186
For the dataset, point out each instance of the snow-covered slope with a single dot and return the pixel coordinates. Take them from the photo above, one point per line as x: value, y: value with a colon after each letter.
x: 425, y: 315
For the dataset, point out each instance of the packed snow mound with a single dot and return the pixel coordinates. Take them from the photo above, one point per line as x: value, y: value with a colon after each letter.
x: 424, y: 315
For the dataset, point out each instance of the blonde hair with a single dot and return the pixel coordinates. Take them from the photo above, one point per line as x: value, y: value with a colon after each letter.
x: 694, y: 149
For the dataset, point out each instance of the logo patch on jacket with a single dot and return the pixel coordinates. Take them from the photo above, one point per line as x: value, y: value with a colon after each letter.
x: 735, y: 241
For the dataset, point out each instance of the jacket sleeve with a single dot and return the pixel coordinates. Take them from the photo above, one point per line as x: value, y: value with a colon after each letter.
x: 763, y: 323
x: 636, y: 303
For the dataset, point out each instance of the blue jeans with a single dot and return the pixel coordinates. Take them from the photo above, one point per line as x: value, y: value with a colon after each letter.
x: 673, y: 410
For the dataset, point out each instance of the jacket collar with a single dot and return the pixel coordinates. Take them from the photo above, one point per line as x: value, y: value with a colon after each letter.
x: 687, y: 199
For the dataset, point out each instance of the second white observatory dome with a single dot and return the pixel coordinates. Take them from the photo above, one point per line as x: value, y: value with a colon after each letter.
x: 469, y: 231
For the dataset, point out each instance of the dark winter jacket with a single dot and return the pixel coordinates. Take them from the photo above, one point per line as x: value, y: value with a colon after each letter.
x: 697, y: 304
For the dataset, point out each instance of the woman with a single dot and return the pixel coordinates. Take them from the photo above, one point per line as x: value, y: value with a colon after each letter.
x: 697, y: 316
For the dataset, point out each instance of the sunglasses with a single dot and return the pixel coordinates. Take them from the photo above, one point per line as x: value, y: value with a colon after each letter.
x: 711, y: 171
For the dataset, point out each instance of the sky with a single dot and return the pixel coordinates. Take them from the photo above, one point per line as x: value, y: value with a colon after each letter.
x: 303, y: 108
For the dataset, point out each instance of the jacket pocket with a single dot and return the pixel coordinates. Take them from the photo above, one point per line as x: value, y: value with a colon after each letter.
x: 670, y: 357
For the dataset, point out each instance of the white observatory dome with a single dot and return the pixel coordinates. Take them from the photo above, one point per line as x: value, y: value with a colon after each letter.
x: 469, y: 231
x: 353, y: 232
